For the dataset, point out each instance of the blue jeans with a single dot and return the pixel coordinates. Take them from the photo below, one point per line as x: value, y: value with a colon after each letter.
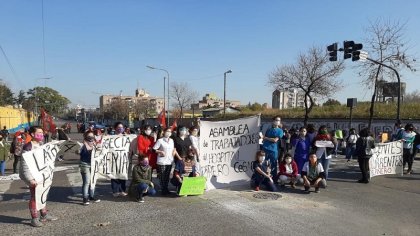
x: 142, y: 187
x: 350, y: 151
x: 272, y: 157
x: 258, y: 181
x: 2, y: 167
x: 325, y: 164
x: 118, y: 185
x: 86, y: 190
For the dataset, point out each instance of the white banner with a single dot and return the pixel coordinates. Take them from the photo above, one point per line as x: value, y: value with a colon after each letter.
x: 387, y: 159
x: 40, y: 162
x: 110, y: 159
x: 227, y: 150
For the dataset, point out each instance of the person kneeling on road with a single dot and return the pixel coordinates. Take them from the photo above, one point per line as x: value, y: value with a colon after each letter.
x: 184, y: 168
x: 288, y: 171
x: 261, y: 174
x: 141, y: 183
x: 313, y: 174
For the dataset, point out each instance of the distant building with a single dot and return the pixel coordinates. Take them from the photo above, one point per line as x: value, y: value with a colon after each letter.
x: 141, y: 96
x: 288, y: 98
x: 211, y: 100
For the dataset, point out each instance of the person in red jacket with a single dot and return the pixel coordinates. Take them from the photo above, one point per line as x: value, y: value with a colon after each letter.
x: 145, y: 143
x: 288, y: 171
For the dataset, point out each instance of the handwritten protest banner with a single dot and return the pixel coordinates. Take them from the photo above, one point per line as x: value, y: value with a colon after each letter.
x: 387, y: 159
x: 40, y: 162
x: 227, y: 149
x: 193, y: 186
x: 110, y: 159
x: 325, y: 144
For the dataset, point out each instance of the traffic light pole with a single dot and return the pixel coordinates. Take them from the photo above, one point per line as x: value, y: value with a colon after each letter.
x: 399, y: 84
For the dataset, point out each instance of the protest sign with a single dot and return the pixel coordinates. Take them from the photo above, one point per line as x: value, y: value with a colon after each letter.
x: 227, y: 150
x: 69, y: 146
x: 324, y: 144
x: 387, y: 159
x: 193, y: 186
x: 40, y: 162
x: 110, y: 159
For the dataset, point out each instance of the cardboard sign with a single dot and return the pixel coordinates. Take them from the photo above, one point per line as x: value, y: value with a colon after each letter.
x: 387, y: 159
x: 193, y: 186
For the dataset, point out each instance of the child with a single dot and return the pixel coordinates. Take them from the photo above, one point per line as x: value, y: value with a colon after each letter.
x: 141, y: 183
x: 261, y: 174
x: 184, y: 168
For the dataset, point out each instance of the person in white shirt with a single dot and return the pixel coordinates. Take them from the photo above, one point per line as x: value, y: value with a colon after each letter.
x: 351, y: 144
x: 313, y: 174
x: 165, y: 149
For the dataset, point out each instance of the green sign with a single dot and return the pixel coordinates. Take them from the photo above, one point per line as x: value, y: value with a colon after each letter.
x: 193, y: 186
x: 339, y: 134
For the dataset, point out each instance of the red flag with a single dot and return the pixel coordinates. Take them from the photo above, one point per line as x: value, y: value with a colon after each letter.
x: 47, y: 122
x: 162, y: 118
x: 174, y: 125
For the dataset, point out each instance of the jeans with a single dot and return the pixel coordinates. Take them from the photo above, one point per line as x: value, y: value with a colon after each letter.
x: 164, y: 171
x: 272, y: 157
x: 350, y: 151
x: 325, y: 164
x: 141, y: 188
x: 286, y: 179
x: 408, y: 158
x: 86, y: 188
x: 118, y: 185
x: 2, y: 167
x: 258, y: 181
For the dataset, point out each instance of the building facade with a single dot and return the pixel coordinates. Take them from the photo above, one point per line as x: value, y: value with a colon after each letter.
x: 288, y: 98
x: 211, y: 100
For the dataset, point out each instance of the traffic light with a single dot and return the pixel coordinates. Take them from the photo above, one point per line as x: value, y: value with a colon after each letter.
x: 332, y: 49
x: 348, y: 49
x: 356, y: 51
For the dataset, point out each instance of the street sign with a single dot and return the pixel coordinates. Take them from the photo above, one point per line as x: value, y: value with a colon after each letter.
x: 363, y: 55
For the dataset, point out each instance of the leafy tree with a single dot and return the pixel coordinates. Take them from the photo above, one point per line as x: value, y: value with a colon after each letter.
x: 331, y: 102
x: 386, y: 44
x: 20, y: 98
x: 47, y: 98
x: 313, y: 74
x: 6, y: 95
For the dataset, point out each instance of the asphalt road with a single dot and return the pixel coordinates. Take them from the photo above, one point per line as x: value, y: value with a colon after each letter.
x: 389, y: 205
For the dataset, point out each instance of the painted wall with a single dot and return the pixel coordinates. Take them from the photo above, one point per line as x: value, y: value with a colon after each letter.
x: 15, y: 118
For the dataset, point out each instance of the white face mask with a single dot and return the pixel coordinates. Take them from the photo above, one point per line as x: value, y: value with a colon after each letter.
x: 148, y: 132
x: 288, y: 160
x: 182, y: 133
x: 167, y: 134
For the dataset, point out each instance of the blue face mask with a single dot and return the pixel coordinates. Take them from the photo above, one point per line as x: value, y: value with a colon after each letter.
x: 120, y: 130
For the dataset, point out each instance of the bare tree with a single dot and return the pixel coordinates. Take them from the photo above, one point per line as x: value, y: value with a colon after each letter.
x: 412, y: 97
x: 313, y: 74
x: 144, y: 108
x: 386, y: 44
x: 183, y: 95
x: 118, y: 108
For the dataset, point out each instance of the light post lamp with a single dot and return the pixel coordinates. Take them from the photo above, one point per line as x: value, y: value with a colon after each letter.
x: 36, y: 98
x: 167, y: 73
x: 224, y: 92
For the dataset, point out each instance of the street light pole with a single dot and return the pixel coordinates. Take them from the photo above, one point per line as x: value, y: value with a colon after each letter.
x: 224, y: 92
x: 167, y: 73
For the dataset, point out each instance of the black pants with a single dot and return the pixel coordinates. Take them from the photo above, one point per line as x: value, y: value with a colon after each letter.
x: 15, y: 163
x: 163, y: 174
x: 364, y: 167
x: 408, y: 157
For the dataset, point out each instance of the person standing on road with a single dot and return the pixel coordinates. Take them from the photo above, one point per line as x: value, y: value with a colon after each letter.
x: 364, y: 151
x: 182, y: 143
x: 195, y: 141
x: 313, y: 174
x: 4, y: 154
x: 85, y: 167
x: 165, y: 149
x: 261, y: 176
x: 351, y: 144
x: 324, y: 152
x: 141, y: 183
x: 302, y: 147
x: 118, y: 185
x: 24, y: 173
x: 408, y: 136
x: 271, y: 142
x: 5, y: 133
x: 17, y: 148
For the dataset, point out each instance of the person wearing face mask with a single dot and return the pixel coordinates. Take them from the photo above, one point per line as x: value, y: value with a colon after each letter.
x: 324, y: 152
x: 195, y: 142
x: 302, y: 147
x: 85, y: 169
x: 165, y: 149
x: 364, y: 150
x: 182, y: 143
x: 184, y: 168
x: 141, y: 183
x: 271, y: 142
x: 407, y: 137
x: 17, y: 148
x: 145, y: 143
x: 4, y: 154
x: 288, y: 171
x: 351, y: 144
x: 24, y: 173
x: 261, y: 175
x: 118, y: 185
x: 313, y: 174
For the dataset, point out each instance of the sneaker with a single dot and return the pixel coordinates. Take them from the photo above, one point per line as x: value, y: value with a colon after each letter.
x: 257, y: 188
x: 116, y: 194
x: 35, y: 222
x: 96, y: 200
x: 306, y: 189
x: 123, y: 194
x: 292, y: 186
x: 140, y: 199
x: 85, y: 201
x: 317, y: 189
x: 48, y: 217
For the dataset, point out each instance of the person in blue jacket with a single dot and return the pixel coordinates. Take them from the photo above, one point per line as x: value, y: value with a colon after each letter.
x: 271, y: 142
